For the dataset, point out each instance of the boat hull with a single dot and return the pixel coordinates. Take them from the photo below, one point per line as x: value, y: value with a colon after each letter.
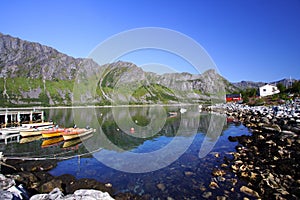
x: 52, y: 133
x: 30, y: 133
x: 70, y: 136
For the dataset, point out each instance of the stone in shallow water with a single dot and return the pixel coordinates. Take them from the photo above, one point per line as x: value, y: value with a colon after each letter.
x: 213, y: 185
x: 188, y: 173
x: 207, y: 195
x: 161, y: 186
x: 249, y: 191
x: 50, y: 186
x: 218, y: 172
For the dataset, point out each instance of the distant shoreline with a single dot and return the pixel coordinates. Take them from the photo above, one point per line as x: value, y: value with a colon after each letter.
x: 105, y: 106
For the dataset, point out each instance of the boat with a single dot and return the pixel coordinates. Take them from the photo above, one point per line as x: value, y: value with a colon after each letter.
x: 38, y: 125
x: 182, y: 110
x: 34, y: 131
x: 30, y: 139
x: 73, y: 133
x: 71, y: 143
x: 52, y: 141
x: 172, y: 114
x: 4, y: 132
x: 30, y: 132
x: 54, y: 132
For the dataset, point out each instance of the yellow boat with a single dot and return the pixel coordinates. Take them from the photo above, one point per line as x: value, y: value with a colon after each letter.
x: 52, y: 141
x: 55, y: 132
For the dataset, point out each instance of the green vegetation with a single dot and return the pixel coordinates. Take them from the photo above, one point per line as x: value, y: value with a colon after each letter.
x: 155, y: 93
x: 21, y: 91
x: 285, y: 94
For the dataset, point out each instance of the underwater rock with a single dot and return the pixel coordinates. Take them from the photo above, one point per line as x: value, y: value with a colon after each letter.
x: 161, y: 186
x: 218, y: 172
x: 249, y: 191
x: 207, y: 195
x: 188, y: 173
x: 49, y: 186
x: 213, y: 185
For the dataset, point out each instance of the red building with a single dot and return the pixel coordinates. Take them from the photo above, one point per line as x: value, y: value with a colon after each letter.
x: 233, y: 97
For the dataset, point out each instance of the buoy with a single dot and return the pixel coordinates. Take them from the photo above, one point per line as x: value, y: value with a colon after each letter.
x: 131, y: 130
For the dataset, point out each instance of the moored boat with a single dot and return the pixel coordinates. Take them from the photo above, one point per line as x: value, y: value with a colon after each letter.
x: 34, y: 131
x: 70, y: 134
x: 4, y: 132
x: 38, y: 125
x: 30, y: 132
x: 54, y: 132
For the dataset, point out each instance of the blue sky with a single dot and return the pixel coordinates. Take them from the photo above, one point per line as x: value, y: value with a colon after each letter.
x: 254, y: 40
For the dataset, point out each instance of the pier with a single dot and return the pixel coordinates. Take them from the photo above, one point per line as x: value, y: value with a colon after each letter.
x: 10, y: 118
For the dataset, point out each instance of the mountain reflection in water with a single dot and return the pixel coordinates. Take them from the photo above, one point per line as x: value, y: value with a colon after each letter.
x: 136, y: 148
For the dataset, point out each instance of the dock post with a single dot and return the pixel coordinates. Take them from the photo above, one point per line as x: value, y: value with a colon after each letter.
x: 6, y: 119
x: 42, y: 116
x: 30, y: 117
x: 19, y: 118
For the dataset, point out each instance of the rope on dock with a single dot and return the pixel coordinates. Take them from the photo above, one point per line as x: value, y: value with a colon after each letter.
x: 50, y: 158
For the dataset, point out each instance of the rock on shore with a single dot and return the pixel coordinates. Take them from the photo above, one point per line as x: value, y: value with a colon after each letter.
x: 268, y: 159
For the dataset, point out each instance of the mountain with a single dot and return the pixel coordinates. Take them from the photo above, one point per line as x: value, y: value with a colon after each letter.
x: 286, y: 82
x: 33, y: 74
x: 250, y: 84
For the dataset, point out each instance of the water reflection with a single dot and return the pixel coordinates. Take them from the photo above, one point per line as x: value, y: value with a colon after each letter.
x: 113, y: 127
x: 164, y: 151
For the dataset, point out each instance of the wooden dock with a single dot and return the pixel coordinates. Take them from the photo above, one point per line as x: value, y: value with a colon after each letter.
x: 16, y: 117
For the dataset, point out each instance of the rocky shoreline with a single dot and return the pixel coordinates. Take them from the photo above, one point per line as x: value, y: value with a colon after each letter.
x: 268, y: 159
x: 32, y: 181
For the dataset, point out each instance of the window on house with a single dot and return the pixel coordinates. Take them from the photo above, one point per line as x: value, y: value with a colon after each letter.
x: 264, y: 90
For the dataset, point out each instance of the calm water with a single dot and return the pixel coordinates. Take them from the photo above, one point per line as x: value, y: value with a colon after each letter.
x: 164, y: 156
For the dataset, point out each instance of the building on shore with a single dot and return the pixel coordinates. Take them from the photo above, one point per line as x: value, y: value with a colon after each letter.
x: 233, y: 98
x: 268, y: 90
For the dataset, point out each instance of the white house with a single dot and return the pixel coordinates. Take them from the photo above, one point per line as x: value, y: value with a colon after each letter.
x: 267, y: 90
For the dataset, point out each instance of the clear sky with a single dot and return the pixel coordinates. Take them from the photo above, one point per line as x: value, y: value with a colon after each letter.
x: 256, y: 40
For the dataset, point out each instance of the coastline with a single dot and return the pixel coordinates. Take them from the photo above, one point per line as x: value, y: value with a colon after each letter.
x: 104, y: 106
x: 266, y: 159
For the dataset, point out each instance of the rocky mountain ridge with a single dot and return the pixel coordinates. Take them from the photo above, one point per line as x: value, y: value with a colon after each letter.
x: 287, y: 82
x: 34, y: 74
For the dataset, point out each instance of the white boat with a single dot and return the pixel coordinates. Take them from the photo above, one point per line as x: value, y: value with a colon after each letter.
x: 9, y: 133
x: 34, y: 131
x: 5, y: 133
x: 11, y: 130
x: 37, y: 125
x: 182, y: 110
